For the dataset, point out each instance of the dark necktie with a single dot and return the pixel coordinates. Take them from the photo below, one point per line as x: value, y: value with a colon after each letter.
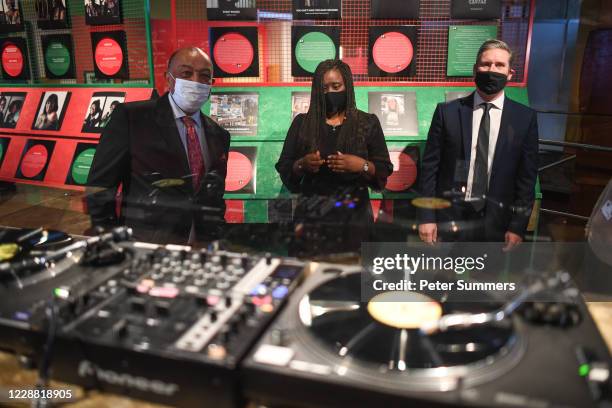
x: 480, y: 180
x: 194, y: 151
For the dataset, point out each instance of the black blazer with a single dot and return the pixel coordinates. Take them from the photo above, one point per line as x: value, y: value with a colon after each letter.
x: 141, y: 144
x: 446, y: 161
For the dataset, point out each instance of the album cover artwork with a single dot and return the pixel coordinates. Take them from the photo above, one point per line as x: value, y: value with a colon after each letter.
x: 236, y: 112
x: 395, y: 10
x: 234, y: 51
x: 241, y: 167
x: 317, y: 9
x: 51, y: 14
x: 101, y: 107
x: 300, y: 102
x: 11, y: 16
x: 310, y: 45
x: 81, y: 164
x: 396, y: 111
x: 110, y: 54
x: 11, y: 104
x: 231, y: 10
x: 58, y: 56
x: 51, y: 110
x: 14, y: 59
x: 35, y: 159
x: 102, y: 12
x: 393, y: 51
x: 476, y: 9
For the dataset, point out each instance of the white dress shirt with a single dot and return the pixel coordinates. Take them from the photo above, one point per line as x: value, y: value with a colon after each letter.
x: 495, y: 114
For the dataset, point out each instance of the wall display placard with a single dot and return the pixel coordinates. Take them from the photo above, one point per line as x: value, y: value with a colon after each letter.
x: 51, y: 14
x: 11, y: 16
x: 59, y: 56
x: 480, y: 9
x: 234, y: 51
x: 241, y: 165
x: 394, y: 10
x: 51, y: 110
x: 317, y: 9
x: 231, y: 10
x: 405, y: 162
x: 81, y: 164
x: 300, y: 102
x: 11, y: 104
x: 310, y: 46
x: 35, y: 159
x: 463, y: 45
x: 102, y: 12
x: 101, y: 107
x: 396, y: 111
x: 14, y: 59
x: 393, y: 51
x: 4, y: 144
x: 452, y: 95
x: 110, y: 54
x: 236, y: 112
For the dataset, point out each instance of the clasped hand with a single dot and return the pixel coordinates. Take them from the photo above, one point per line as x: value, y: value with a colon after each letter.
x: 339, y: 163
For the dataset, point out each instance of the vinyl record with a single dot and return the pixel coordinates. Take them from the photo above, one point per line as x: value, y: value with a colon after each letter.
x: 393, y: 51
x: 34, y: 239
x: 234, y: 51
x: 405, y: 170
x: 240, y: 171
x: 383, y: 335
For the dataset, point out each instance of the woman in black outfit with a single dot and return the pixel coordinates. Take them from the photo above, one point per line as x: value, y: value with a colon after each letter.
x: 334, y: 151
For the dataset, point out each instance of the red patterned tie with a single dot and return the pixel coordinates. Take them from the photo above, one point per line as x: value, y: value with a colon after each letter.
x: 194, y: 151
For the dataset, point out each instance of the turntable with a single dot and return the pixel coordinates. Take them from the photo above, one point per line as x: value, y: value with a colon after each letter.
x: 330, y: 349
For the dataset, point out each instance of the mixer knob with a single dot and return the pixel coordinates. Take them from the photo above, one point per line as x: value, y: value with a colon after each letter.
x: 216, y: 260
x: 268, y: 258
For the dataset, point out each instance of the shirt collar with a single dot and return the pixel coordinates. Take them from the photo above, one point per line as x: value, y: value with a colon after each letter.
x: 178, y: 113
x: 497, y: 102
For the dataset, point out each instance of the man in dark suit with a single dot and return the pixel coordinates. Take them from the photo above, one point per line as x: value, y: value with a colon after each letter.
x: 482, y: 153
x: 169, y: 159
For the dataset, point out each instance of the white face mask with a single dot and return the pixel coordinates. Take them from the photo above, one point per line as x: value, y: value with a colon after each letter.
x: 190, y: 95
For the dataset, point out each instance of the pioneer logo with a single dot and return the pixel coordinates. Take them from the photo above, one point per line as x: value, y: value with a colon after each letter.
x: 88, y: 369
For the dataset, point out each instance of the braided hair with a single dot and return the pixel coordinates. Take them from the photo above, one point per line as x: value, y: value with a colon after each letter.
x: 352, y: 134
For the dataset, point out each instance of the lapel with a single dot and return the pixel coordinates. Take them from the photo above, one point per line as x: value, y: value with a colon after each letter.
x: 164, y: 118
x: 466, y: 108
x: 503, y: 137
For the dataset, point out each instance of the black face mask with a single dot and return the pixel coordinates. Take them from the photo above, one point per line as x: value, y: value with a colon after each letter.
x: 335, y: 102
x: 490, y: 82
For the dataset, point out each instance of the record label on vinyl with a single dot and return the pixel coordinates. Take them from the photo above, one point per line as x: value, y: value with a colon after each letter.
x: 109, y: 56
x: 12, y: 60
x: 81, y: 165
x: 404, y: 172
x: 393, y: 52
x: 34, y: 161
x: 240, y: 171
x: 313, y: 48
x: 233, y: 53
x: 57, y: 58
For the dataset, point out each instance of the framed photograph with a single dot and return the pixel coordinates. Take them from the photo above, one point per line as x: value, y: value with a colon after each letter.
x: 102, y: 12
x: 59, y: 56
x: 395, y: 10
x: 101, y: 107
x: 81, y: 164
x: 241, y: 166
x: 300, y: 103
x: 393, y: 51
x: 51, y: 110
x: 396, y: 111
x: 231, y: 10
x: 234, y: 51
x: 110, y: 54
x: 11, y: 104
x: 311, y: 45
x: 11, y: 16
x: 14, y: 59
x: 317, y: 9
x: 51, y: 14
x: 236, y: 112
x: 35, y: 159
